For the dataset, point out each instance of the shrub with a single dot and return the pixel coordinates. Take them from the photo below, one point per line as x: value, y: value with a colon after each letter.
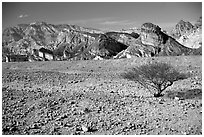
x: 156, y: 75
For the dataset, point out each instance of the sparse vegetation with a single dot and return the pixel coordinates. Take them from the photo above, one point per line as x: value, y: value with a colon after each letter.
x: 156, y: 75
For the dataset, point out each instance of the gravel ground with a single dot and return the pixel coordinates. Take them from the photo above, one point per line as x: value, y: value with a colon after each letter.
x: 91, y: 97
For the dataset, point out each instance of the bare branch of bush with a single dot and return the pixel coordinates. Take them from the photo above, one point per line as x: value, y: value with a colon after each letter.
x: 156, y: 75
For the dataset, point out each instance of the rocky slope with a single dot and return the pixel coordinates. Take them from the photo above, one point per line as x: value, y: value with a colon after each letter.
x: 71, y: 42
x: 91, y: 98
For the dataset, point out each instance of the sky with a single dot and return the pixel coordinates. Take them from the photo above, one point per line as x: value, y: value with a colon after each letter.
x: 101, y: 15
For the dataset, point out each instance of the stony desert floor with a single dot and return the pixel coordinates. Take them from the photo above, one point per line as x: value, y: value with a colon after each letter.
x: 91, y: 97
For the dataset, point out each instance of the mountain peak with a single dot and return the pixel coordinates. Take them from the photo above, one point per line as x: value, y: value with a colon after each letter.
x: 38, y: 23
x: 150, y: 27
x: 187, y: 34
x: 181, y: 22
x: 181, y: 28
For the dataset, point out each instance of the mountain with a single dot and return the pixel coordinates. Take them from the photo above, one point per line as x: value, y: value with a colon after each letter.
x: 72, y: 42
x: 66, y: 41
x: 181, y: 28
x: 187, y: 34
x: 153, y: 42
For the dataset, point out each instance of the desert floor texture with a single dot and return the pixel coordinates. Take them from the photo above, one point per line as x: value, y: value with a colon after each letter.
x: 91, y: 97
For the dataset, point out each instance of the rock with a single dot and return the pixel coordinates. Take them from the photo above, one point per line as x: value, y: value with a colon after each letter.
x: 184, y: 133
x: 84, y: 128
x: 192, y: 40
x: 98, y: 58
x: 112, y: 91
x: 176, y: 98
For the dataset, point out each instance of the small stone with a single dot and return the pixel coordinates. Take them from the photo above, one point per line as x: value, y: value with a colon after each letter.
x: 184, y: 133
x: 84, y: 128
x: 161, y: 102
x: 72, y: 102
x: 176, y: 98
x: 73, y: 109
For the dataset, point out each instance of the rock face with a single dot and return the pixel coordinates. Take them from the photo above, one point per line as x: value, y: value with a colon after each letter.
x: 192, y: 40
x: 150, y: 34
x: 189, y: 35
x: 181, y: 28
x: 71, y: 42
x: 153, y: 42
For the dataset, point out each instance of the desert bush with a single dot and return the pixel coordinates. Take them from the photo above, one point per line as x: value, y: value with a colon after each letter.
x: 157, y: 75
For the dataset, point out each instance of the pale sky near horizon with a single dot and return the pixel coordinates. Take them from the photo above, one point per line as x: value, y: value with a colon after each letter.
x: 105, y: 15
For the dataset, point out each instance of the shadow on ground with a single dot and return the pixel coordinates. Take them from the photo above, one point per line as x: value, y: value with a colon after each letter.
x: 186, y: 94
